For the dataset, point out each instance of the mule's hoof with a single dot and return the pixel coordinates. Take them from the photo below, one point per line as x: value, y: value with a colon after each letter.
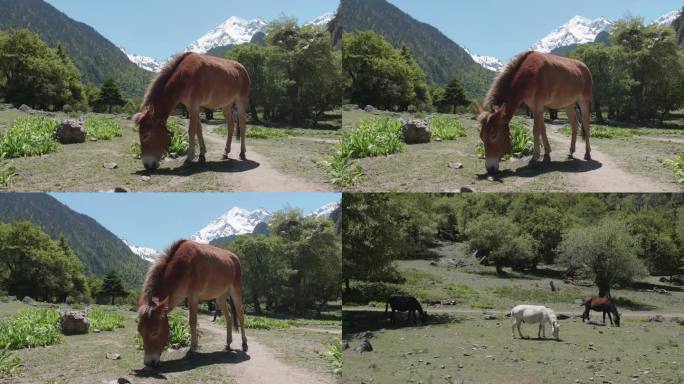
x: 243, y: 156
x: 225, y: 157
x: 571, y: 157
x: 547, y: 158
x: 202, y: 159
x: 228, y: 348
x: 587, y: 157
x: 244, y: 347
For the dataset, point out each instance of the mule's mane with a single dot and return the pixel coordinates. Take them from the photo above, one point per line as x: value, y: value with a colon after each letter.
x: 156, y: 273
x: 156, y: 88
x: 503, y: 81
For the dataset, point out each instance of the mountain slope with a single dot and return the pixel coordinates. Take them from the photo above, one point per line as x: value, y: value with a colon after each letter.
x: 98, y: 248
x: 440, y: 58
x: 579, y: 30
x: 94, y: 56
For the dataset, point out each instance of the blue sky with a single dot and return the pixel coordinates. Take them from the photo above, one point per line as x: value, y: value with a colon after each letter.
x: 157, y: 219
x: 503, y: 28
x: 161, y: 28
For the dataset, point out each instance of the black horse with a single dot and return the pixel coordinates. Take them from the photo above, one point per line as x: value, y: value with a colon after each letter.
x: 406, y: 304
x: 601, y: 304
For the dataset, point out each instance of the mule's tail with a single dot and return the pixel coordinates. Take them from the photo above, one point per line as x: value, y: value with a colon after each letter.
x: 580, y: 121
x: 386, y: 307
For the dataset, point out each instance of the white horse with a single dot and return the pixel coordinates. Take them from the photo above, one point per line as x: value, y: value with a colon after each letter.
x: 534, y: 314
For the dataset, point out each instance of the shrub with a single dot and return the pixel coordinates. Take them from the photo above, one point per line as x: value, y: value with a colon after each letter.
x: 447, y: 128
x: 342, y: 171
x: 33, y: 136
x: 179, y: 332
x: 334, y: 355
x: 105, y: 319
x: 31, y: 328
x: 10, y: 365
x: 677, y: 165
x: 102, y: 128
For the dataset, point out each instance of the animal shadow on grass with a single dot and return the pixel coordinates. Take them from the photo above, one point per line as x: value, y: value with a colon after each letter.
x: 354, y: 322
x: 196, y: 360
x: 225, y: 166
x: 534, y: 170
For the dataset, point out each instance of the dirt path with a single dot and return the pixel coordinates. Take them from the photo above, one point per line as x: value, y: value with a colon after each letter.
x: 602, y: 174
x: 256, y: 174
x: 262, y: 367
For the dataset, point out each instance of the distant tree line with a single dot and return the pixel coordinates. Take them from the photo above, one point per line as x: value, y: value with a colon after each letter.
x: 610, y: 239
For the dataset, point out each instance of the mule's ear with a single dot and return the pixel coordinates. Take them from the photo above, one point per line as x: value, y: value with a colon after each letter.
x: 137, y: 118
x: 478, y: 109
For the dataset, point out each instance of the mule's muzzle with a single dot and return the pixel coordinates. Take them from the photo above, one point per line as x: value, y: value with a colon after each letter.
x: 492, y: 166
x: 150, y: 163
x: 152, y: 361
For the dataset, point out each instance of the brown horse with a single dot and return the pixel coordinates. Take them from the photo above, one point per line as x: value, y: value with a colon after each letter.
x: 538, y: 80
x: 195, y: 81
x: 601, y: 304
x: 194, y: 272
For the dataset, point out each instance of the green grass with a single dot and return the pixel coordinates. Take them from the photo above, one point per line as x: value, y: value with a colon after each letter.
x: 102, y: 128
x: 105, y: 319
x: 33, y: 136
x: 8, y: 171
x: 372, y: 138
x: 603, y: 132
x: 270, y: 323
x: 524, y: 295
x: 10, y: 365
x: 677, y: 165
x: 179, y: 140
x: 179, y: 331
x: 30, y: 328
x: 342, y: 171
x: 334, y: 356
x: 447, y: 128
x: 256, y: 132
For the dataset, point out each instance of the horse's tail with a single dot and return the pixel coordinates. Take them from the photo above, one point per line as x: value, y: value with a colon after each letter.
x: 386, y: 307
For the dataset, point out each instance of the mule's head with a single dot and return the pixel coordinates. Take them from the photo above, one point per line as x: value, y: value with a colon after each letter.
x: 555, y: 328
x: 616, y: 316
x: 155, y: 138
x: 495, y: 134
x: 424, y: 317
x: 153, y: 326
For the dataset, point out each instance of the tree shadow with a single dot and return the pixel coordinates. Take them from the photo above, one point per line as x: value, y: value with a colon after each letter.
x: 534, y: 170
x: 538, y: 340
x: 224, y: 166
x: 651, y: 286
x: 355, y: 322
x: 547, y: 273
x: 633, y: 305
x: 197, y: 360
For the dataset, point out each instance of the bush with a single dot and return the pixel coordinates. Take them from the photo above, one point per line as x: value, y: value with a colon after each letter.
x: 10, y: 365
x: 33, y: 136
x: 677, y: 165
x: 447, y: 128
x: 334, y: 355
x: 372, y: 137
x: 31, y: 328
x: 105, y: 319
x: 179, y: 332
x: 102, y: 128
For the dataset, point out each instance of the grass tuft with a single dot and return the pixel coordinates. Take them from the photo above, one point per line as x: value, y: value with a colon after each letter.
x: 677, y: 166
x: 334, y: 356
x: 446, y: 128
x: 30, y: 328
x: 372, y: 138
x: 102, y: 128
x: 10, y: 365
x: 105, y: 319
x: 8, y: 171
x: 33, y: 136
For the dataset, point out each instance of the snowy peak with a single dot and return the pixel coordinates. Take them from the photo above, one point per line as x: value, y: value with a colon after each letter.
x: 237, y: 221
x: 326, y: 210
x: 322, y: 21
x: 144, y: 62
x: 233, y: 31
x: 579, y: 30
x: 667, y: 19
x: 145, y: 253
x: 489, y: 62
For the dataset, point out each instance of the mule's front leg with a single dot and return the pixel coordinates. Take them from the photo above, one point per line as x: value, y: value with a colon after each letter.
x: 585, y: 108
x: 242, y: 125
x: 537, y: 132
x: 192, y: 133
x: 193, y: 306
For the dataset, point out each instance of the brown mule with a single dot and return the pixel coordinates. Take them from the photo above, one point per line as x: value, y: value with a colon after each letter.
x: 195, y: 81
x: 539, y: 80
x: 194, y: 272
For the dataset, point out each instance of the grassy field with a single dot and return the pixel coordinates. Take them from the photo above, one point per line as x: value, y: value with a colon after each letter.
x: 425, y: 167
x: 82, y: 359
x: 458, y: 344
x: 79, y: 167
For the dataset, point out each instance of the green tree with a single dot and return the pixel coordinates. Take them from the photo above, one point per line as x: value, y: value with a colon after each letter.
x: 110, y: 95
x: 112, y: 286
x: 606, y: 252
x: 455, y: 95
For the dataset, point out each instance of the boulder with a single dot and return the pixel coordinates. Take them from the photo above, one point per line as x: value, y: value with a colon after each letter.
x: 657, y: 319
x: 25, y: 108
x: 27, y: 300
x: 345, y: 345
x: 365, y: 346
x: 416, y: 132
x: 71, y: 132
x: 74, y: 323
x: 370, y: 109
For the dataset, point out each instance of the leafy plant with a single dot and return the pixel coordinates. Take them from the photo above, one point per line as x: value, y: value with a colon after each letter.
x: 33, y: 136
x: 371, y: 138
x: 30, y: 328
x: 8, y: 171
x: 105, y: 319
x: 334, y: 355
x: 10, y: 364
x: 447, y: 128
x: 102, y: 128
x: 342, y: 171
x: 677, y: 165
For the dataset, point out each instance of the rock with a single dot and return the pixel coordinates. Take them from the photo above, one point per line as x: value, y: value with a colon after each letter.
x: 74, y: 323
x: 27, y: 300
x: 123, y: 380
x: 345, y: 345
x: 121, y: 190
x: 447, y: 302
x: 110, y: 165
x: 71, y: 132
x: 466, y: 190
x: 490, y: 317
x: 453, y: 165
x: 370, y: 109
x: 657, y: 319
x: 364, y: 335
x: 145, y: 178
x: 112, y: 356
x: 365, y: 346
x: 677, y: 320
x: 96, y: 330
x: 416, y: 132
x: 25, y: 108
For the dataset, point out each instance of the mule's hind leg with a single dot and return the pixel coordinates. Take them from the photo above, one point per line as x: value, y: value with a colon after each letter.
x: 609, y: 318
x: 518, y: 324
x: 574, y: 123
x: 227, y: 313
x: 237, y: 302
x: 230, y: 123
x: 242, y: 125
x: 513, y: 327
x: 585, y: 108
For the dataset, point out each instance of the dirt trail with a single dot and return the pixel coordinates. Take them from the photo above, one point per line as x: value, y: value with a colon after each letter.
x: 262, y: 366
x: 608, y: 177
x: 256, y: 174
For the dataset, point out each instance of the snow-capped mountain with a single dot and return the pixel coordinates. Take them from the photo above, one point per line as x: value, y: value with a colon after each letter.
x: 145, y: 253
x: 489, y: 62
x: 233, y: 31
x: 237, y: 221
x: 579, y: 30
x: 668, y: 18
x: 144, y: 62
x: 326, y: 210
x: 323, y: 20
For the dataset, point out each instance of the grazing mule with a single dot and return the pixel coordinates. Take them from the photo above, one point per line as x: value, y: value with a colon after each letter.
x: 534, y: 314
x: 195, y: 81
x: 406, y: 304
x: 538, y: 80
x: 194, y: 272
x: 601, y: 304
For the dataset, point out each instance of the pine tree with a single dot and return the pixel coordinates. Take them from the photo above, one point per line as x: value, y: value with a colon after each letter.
x: 113, y: 286
x: 110, y: 95
x: 454, y: 94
